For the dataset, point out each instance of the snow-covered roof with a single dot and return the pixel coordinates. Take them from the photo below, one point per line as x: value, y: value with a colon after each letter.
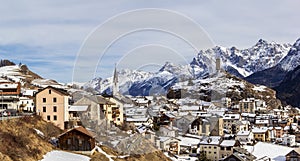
x: 82, y: 108
x: 8, y: 85
x: 243, y: 133
x: 29, y: 92
x: 187, y: 141
x: 212, y: 140
x: 260, y: 130
x: 231, y: 117
x: 189, y: 108
x: 273, y: 151
x: 145, y: 119
x: 261, y: 121
x: 248, y: 114
x: 228, y: 143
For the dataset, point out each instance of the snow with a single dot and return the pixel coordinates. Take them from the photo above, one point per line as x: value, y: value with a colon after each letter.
x: 8, y: 85
x: 56, y: 155
x: 39, y: 132
x: 260, y: 130
x: 107, y: 156
x: 273, y: 151
x: 259, y: 88
x: 227, y: 143
x: 243, y: 133
x: 78, y: 108
x: 188, y: 141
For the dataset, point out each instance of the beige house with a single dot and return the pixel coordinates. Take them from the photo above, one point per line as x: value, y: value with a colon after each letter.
x: 226, y: 148
x: 210, y: 146
x: 100, y: 108
x: 96, y: 107
x: 117, y: 113
x: 52, y: 105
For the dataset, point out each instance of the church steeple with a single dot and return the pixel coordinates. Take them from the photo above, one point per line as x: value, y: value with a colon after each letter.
x: 115, y: 82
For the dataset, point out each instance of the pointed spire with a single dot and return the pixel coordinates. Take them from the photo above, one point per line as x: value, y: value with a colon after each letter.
x: 115, y: 75
x: 115, y: 82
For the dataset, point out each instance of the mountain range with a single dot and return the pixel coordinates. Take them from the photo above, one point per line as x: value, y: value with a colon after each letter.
x: 271, y: 59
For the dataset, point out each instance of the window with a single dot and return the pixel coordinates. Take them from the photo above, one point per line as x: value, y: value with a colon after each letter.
x: 119, y: 119
x: 49, y: 91
x: 48, y: 117
x: 44, y: 99
x: 44, y: 109
x: 54, y: 117
x: 54, y: 109
x: 54, y: 99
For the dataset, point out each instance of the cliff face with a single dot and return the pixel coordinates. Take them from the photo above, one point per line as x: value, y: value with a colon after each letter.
x: 289, y: 90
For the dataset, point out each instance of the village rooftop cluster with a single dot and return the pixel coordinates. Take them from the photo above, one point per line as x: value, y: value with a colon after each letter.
x: 181, y: 127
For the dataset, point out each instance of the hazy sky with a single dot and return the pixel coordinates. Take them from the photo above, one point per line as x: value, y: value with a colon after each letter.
x: 48, y: 35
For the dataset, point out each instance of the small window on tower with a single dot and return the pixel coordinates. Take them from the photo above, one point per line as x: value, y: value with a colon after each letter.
x: 49, y: 91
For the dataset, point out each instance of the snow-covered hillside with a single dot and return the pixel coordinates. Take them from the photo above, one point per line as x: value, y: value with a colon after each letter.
x: 21, y: 73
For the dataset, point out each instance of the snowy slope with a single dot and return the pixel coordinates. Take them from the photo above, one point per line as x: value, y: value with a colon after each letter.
x: 292, y: 60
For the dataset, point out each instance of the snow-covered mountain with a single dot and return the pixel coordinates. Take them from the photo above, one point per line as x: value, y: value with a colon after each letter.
x: 292, y: 59
x: 273, y: 76
x: 242, y: 63
x: 136, y: 82
x: 239, y: 62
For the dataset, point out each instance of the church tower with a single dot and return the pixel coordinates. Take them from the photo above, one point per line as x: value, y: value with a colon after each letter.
x: 218, y: 64
x: 115, y: 83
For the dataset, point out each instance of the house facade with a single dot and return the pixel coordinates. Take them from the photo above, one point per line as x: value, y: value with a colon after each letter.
x: 52, y: 105
x: 10, y: 93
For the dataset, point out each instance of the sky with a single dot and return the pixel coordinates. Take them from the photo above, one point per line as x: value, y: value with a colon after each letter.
x: 78, y: 40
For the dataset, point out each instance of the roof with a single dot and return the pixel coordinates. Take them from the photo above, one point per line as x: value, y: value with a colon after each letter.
x: 273, y: 151
x: 78, y: 108
x: 188, y: 141
x: 59, y: 90
x: 260, y: 130
x: 228, y: 143
x: 144, y: 119
x: 8, y: 85
x: 231, y: 117
x: 261, y: 121
x: 80, y: 129
x: 212, y: 140
x: 243, y: 133
x: 248, y: 114
x: 99, y: 99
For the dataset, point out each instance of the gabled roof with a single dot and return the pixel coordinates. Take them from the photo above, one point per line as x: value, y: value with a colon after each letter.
x: 99, y: 99
x: 81, y: 130
x: 58, y: 90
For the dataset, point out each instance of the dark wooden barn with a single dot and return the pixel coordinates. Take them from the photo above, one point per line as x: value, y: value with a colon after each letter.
x: 77, y: 139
